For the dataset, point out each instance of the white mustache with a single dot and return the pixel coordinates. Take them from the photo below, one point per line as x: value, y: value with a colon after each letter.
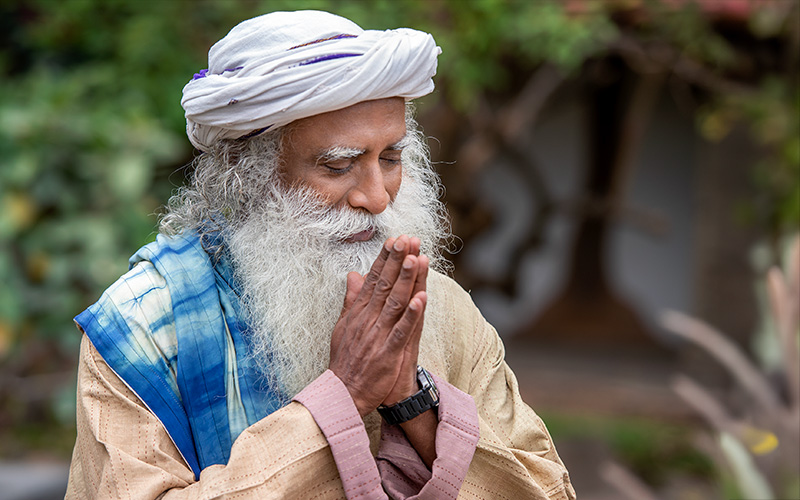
x: 313, y: 216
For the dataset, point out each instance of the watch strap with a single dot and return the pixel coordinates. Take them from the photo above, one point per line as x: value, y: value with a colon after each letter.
x: 425, y: 399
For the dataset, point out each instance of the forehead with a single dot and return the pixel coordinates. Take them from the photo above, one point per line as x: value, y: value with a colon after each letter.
x: 367, y: 125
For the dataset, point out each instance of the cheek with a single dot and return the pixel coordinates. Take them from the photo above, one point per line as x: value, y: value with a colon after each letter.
x: 299, y: 177
x: 393, y: 181
x: 333, y: 192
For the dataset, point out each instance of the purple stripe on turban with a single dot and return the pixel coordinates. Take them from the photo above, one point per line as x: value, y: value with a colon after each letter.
x: 326, y: 58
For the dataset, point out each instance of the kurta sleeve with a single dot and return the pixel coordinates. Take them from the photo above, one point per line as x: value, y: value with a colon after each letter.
x: 123, y: 451
x: 405, y: 476
x: 400, y: 472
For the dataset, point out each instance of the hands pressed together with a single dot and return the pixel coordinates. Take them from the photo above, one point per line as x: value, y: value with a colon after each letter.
x: 375, y: 343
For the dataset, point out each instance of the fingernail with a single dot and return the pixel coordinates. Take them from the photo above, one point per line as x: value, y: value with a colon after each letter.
x: 413, y: 305
x: 388, y: 244
x: 399, y: 244
x: 408, y: 262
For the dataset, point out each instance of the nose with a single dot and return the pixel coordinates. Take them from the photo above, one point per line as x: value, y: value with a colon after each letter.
x: 371, y: 191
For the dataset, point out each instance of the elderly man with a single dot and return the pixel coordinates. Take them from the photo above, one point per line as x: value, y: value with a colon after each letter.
x: 223, y: 364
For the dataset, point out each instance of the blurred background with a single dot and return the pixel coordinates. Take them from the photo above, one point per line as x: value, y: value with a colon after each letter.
x: 623, y: 176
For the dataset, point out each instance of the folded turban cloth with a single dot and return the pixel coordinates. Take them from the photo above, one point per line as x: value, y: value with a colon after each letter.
x: 277, y: 68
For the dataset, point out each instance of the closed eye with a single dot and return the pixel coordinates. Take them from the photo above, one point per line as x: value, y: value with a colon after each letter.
x: 391, y: 157
x: 338, y: 159
x: 339, y: 166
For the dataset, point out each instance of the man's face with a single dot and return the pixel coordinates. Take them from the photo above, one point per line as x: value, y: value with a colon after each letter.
x: 350, y: 157
x: 294, y: 241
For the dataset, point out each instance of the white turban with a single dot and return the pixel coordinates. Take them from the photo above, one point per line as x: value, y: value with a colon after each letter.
x: 277, y: 68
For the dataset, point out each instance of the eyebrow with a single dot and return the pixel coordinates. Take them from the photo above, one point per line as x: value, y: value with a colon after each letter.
x: 401, y: 144
x: 337, y: 153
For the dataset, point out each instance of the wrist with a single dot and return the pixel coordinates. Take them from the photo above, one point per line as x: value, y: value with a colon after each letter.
x: 409, y: 389
x: 421, y: 433
x: 362, y: 408
x: 424, y: 400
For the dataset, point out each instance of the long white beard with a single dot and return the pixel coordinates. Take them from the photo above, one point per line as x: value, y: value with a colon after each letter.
x: 292, y: 264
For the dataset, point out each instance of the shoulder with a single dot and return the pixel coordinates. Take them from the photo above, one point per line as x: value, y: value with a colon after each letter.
x: 446, y: 296
x: 455, y: 331
x: 139, y: 307
x: 142, y: 298
x: 142, y: 284
x: 134, y: 314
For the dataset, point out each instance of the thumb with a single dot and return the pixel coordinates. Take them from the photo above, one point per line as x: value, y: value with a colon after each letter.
x: 354, y: 283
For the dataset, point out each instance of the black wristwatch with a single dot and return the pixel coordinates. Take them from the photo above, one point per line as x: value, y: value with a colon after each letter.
x: 426, y: 399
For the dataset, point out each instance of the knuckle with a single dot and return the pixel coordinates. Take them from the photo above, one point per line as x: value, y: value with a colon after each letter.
x: 383, y: 285
x: 393, y: 305
x: 398, y: 335
x: 360, y: 327
x: 379, y: 325
x: 372, y: 278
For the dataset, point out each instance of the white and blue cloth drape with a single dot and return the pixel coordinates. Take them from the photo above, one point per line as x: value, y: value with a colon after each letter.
x: 172, y: 330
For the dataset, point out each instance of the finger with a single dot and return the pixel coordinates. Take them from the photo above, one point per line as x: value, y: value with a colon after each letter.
x: 372, y: 277
x: 354, y: 283
x: 401, y: 292
x: 389, y: 274
x: 423, y: 266
x: 415, y: 244
x: 404, y: 329
x: 412, y: 347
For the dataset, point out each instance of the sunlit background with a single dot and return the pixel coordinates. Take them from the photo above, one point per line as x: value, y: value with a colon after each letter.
x: 622, y: 174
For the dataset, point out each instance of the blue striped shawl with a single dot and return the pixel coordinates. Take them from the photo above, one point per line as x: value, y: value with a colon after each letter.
x: 171, y: 330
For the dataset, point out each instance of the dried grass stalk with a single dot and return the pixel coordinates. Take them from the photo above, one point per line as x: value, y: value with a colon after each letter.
x: 730, y: 356
x: 625, y: 482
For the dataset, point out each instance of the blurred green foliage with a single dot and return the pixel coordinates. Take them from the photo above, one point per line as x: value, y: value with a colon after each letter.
x: 772, y: 114
x: 92, y: 133
x: 91, y: 125
x: 654, y: 450
x: 92, y: 140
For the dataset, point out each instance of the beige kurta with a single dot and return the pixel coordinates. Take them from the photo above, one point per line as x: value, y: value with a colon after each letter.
x: 123, y: 451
